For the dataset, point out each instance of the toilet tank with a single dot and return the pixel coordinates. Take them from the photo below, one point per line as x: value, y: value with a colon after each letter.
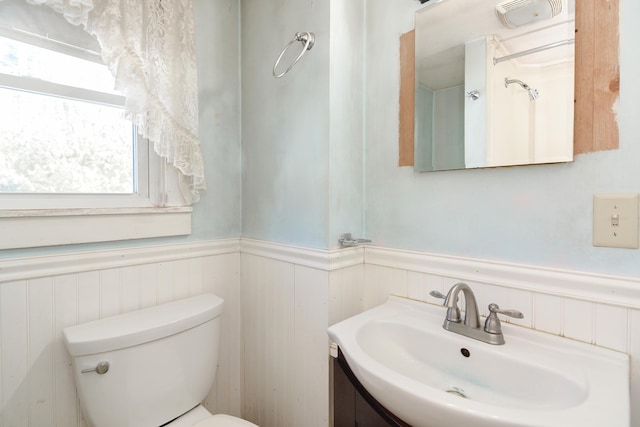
x: 161, y: 362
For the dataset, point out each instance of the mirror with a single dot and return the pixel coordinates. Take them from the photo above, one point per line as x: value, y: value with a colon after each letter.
x: 494, y: 83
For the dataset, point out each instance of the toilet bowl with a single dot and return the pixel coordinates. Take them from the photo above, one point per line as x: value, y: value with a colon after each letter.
x: 151, y: 367
x: 200, y: 417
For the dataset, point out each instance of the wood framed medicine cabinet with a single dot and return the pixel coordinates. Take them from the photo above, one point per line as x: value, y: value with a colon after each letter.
x: 597, y: 81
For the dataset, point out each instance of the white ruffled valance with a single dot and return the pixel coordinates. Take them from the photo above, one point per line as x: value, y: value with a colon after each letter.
x: 75, y: 11
x: 149, y: 46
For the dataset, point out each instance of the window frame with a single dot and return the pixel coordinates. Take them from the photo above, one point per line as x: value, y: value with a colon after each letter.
x: 156, y: 209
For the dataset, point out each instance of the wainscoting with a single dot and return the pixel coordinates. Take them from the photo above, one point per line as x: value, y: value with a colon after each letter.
x: 286, y: 308
x: 279, y: 300
x: 40, y: 296
x: 290, y: 295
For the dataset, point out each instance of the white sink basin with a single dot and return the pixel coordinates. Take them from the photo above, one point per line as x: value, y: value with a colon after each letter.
x: 417, y: 370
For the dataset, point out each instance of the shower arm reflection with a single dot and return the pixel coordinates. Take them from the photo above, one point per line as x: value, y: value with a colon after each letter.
x: 533, y: 93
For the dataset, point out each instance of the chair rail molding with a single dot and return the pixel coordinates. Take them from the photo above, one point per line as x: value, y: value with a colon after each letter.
x: 601, y: 288
x: 58, y: 264
x: 320, y: 259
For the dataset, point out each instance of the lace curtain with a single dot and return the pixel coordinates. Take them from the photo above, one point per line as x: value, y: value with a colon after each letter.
x: 149, y: 46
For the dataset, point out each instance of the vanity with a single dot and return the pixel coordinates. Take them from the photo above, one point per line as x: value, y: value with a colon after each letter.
x: 353, y: 405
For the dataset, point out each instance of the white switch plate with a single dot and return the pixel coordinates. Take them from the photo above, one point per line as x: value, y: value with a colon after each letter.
x: 615, y: 220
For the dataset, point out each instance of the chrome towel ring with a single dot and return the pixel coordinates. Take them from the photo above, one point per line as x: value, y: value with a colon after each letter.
x: 307, y: 39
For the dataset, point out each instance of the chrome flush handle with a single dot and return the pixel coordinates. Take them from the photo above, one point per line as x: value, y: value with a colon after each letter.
x: 101, y: 368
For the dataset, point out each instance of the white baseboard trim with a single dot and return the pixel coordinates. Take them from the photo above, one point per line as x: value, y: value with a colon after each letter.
x: 614, y: 290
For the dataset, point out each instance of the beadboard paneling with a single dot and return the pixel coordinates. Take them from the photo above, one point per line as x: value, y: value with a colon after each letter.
x: 346, y: 291
x: 285, y: 315
x: 41, y: 296
x: 311, y: 361
x: 268, y: 340
x: 41, y: 334
x: 279, y: 300
x: 13, y: 321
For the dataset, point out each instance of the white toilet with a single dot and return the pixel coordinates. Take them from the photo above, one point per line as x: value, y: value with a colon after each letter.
x: 151, y: 367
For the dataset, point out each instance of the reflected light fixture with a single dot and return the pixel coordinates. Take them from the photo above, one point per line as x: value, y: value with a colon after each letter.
x: 516, y: 13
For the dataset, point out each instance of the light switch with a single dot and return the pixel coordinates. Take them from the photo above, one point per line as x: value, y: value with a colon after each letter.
x: 615, y: 220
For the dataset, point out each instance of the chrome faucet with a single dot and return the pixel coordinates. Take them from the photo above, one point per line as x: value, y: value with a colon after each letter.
x: 471, y: 316
x: 492, y: 331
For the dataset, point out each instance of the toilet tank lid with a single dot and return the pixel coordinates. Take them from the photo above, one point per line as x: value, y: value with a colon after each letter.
x: 138, y: 327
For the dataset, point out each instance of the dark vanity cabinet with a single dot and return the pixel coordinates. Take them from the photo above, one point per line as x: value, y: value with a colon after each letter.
x: 353, y: 406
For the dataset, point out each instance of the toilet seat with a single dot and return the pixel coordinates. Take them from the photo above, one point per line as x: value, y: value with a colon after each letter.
x: 222, y: 420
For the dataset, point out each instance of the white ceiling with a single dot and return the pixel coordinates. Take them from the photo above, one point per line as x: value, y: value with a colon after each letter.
x: 442, y: 29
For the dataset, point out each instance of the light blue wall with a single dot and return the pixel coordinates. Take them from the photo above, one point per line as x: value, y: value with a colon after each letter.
x: 346, y: 132
x: 539, y: 215
x: 302, y: 135
x: 291, y: 188
x: 217, y: 215
x: 285, y: 125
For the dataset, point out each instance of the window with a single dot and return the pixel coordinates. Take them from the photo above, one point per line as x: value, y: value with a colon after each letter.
x: 64, y: 129
x: 72, y: 167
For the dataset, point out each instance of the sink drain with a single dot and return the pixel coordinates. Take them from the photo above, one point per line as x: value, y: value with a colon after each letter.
x: 457, y: 392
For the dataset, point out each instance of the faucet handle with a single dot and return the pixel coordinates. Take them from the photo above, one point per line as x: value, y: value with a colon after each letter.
x: 493, y: 308
x: 492, y: 325
x: 438, y: 294
x: 453, y: 314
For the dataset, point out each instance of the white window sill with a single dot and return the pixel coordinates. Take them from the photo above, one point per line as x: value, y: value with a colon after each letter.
x: 34, y: 227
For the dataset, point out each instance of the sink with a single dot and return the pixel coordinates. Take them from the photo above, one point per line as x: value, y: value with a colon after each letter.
x: 430, y: 377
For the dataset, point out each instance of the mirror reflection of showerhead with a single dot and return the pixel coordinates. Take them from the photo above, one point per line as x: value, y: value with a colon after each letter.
x: 533, y: 93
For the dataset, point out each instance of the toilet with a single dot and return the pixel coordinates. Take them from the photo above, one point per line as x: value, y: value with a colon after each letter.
x: 151, y: 367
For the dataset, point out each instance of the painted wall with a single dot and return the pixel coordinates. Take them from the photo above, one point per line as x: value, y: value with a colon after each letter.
x: 217, y: 214
x: 346, y: 125
x: 302, y: 134
x: 285, y: 124
x: 539, y: 215
x: 217, y: 24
